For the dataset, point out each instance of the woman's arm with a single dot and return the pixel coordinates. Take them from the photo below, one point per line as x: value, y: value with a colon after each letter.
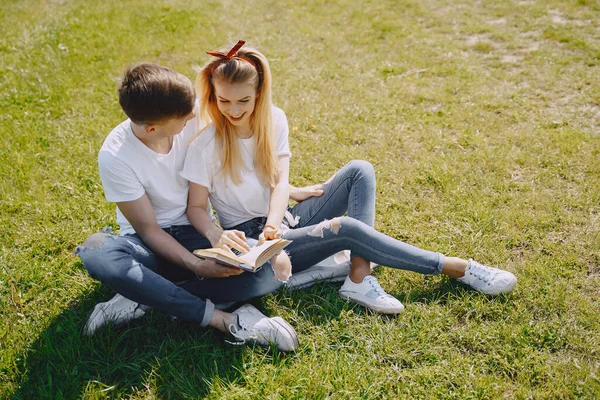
x: 196, y: 212
x: 279, y: 200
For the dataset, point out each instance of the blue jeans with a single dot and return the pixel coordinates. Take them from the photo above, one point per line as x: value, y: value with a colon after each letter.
x: 125, y: 264
x: 351, y: 190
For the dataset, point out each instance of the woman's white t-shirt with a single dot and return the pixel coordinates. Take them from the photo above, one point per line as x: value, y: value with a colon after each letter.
x: 234, y: 204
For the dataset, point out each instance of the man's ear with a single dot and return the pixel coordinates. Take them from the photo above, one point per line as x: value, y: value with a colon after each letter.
x: 150, y: 129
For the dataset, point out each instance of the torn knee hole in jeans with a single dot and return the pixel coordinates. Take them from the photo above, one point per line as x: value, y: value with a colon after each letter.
x: 333, y: 225
x: 282, y: 268
x: 94, y: 241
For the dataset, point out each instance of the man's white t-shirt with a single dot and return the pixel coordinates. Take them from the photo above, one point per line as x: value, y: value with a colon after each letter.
x: 128, y: 169
x: 234, y: 204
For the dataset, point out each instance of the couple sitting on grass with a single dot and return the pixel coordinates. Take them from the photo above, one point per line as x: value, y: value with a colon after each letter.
x: 176, y: 153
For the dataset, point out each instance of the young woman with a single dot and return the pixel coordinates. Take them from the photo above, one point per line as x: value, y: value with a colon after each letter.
x: 240, y: 161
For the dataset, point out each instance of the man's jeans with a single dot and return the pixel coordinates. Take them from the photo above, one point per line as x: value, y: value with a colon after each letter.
x: 126, y: 265
x: 318, y: 233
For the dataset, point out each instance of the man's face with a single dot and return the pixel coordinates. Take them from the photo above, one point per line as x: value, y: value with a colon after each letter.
x: 172, y: 126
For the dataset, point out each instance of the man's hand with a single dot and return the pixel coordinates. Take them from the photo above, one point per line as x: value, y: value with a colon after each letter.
x: 306, y: 192
x: 231, y: 240
x: 212, y: 269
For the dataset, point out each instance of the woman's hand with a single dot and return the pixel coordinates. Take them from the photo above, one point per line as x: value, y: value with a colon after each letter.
x: 269, y: 233
x: 232, y: 240
x: 306, y: 192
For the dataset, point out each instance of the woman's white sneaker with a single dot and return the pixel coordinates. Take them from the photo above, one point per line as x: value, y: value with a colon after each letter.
x: 369, y: 294
x: 488, y: 280
x: 255, y: 327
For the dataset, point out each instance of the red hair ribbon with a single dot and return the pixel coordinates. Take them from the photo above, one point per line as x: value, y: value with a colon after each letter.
x: 230, y: 54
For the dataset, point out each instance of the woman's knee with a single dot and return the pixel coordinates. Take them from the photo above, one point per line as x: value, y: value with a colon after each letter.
x: 362, y: 167
x: 349, y: 227
x: 363, y: 172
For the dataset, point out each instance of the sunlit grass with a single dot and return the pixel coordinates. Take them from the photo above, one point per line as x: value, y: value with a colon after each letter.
x: 482, y: 120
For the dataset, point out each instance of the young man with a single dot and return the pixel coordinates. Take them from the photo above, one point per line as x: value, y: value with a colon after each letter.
x: 151, y: 263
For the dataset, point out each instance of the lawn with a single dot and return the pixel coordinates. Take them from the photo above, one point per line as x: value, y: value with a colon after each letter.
x: 481, y: 118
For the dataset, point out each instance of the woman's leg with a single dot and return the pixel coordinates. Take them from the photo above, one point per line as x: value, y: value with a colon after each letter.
x: 352, y: 189
x: 314, y: 243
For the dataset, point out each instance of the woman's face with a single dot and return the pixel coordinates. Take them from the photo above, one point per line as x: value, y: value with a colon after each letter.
x: 236, y: 102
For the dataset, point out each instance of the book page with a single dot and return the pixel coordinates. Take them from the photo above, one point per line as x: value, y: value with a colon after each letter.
x: 220, y: 254
x: 255, y: 252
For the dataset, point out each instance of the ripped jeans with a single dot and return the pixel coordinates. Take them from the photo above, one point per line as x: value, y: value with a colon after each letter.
x: 129, y: 267
x: 318, y: 229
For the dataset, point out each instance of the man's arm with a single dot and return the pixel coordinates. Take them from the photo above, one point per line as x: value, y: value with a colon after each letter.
x: 140, y: 215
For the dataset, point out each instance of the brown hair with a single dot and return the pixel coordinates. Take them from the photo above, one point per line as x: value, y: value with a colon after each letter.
x: 236, y: 70
x: 151, y: 93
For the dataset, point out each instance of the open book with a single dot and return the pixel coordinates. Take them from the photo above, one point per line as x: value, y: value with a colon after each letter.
x: 252, y: 260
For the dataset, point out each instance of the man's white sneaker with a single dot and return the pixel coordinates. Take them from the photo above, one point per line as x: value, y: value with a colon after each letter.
x: 369, y: 294
x: 118, y: 310
x: 488, y: 280
x: 254, y: 326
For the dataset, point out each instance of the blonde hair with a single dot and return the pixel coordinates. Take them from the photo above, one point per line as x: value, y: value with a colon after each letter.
x: 238, y: 70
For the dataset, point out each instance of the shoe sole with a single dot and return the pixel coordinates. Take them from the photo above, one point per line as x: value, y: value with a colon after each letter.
x: 371, y: 307
x: 284, y: 325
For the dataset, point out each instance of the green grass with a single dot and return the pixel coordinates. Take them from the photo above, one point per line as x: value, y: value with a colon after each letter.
x: 482, y: 120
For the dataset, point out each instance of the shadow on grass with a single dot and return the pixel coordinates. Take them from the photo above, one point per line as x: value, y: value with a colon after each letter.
x: 445, y: 290
x: 321, y: 303
x: 152, y: 355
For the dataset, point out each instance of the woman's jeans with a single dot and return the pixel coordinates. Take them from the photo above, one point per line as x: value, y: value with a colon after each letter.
x: 318, y: 231
x: 127, y: 265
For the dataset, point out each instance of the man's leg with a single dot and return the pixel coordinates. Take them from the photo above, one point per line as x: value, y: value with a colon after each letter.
x: 126, y: 265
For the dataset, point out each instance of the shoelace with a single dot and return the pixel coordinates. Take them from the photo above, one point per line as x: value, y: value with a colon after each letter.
x: 234, y: 330
x: 481, y: 272
x: 377, y: 288
x: 253, y: 334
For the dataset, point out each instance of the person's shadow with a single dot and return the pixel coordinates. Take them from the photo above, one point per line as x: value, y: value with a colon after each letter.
x: 152, y: 355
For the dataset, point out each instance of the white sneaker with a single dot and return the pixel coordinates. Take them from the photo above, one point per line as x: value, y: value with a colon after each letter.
x: 488, y: 280
x: 256, y: 327
x: 118, y: 311
x: 371, y: 295
x: 332, y: 269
